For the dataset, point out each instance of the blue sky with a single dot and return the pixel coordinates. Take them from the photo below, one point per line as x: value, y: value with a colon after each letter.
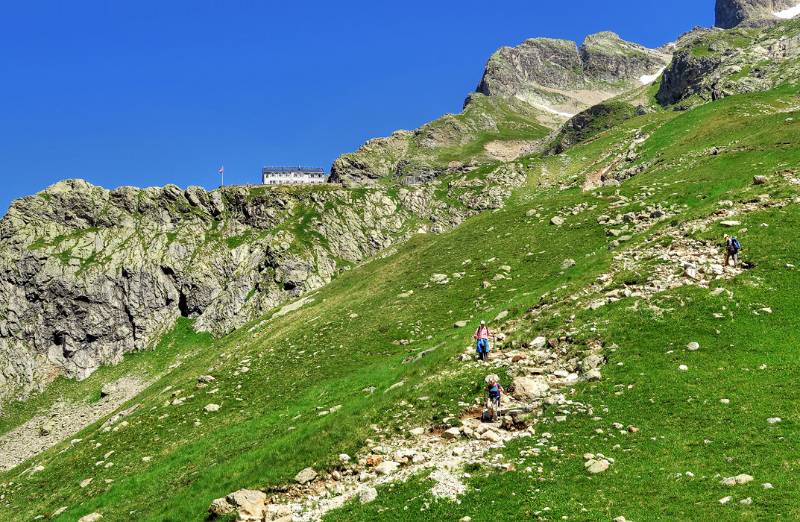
x: 152, y: 92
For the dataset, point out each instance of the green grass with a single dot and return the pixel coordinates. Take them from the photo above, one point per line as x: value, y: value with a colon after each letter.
x: 344, y: 340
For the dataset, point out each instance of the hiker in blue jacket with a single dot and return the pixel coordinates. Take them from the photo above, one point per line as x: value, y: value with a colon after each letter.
x: 732, y: 248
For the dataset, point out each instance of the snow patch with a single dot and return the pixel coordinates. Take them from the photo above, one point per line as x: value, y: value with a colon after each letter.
x: 552, y: 110
x: 647, y: 79
x: 788, y: 13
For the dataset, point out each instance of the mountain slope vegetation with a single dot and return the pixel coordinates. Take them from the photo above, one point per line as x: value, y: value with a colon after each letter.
x: 670, y: 378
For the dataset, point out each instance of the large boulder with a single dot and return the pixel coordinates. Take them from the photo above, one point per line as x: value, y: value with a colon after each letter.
x: 530, y: 388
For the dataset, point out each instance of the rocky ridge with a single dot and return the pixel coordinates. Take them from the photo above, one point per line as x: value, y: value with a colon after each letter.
x: 524, y: 91
x: 88, y: 274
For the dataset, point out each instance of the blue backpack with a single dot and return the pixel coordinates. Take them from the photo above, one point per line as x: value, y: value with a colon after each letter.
x: 736, y: 245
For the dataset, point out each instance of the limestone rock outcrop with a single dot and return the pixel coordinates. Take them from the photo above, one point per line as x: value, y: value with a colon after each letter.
x: 732, y: 13
x: 564, y: 79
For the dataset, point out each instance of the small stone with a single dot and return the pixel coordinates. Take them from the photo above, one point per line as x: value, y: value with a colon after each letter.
x: 683, y: 368
x: 305, y: 476
x: 567, y: 264
x: 746, y: 501
x: 774, y: 420
x: 730, y: 223
x: 91, y: 517
x: 557, y: 221
x: 693, y: 346
x: 759, y: 180
x: 539, y: 343
x: 206, y: 379
x: 725, y: 401
x: 211, y: 408
x: 725, y: 500
x: 417, y: 432
x: 767, y: 485
x: 459, y: 324
x: 344, y: 458
x: 58, y: 511
x: 86, y: 482
x: 386, y: 468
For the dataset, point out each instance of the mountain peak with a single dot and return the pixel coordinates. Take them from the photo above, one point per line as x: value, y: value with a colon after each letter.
x: 733, y: 13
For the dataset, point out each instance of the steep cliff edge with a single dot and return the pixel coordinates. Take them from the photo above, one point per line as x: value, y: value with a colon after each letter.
x: 88, y: 274
x: 713, y: 64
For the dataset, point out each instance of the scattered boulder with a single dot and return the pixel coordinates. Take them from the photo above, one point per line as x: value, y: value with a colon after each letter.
x: 305, y: 476
x: 539, y: 343
x: 737, y: 480
x: 595, y: 466
x: 250, y: 504
x: 557, y: 221
x: 387, y: 467
x: 759, y: 180
x: 211, y: 408
x: 366, y: 494
x: 693, y: 346
x: 528, y: 388
x: 220, y: 507
x: 452, y: 434
x: 459, y: 324
x: 91, y: 517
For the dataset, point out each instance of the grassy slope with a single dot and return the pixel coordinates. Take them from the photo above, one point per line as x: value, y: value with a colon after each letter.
x: 748, y: 357
x: 327, y: 352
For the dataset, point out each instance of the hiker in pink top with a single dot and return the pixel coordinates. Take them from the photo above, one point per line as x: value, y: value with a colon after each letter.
x: 482, y: 335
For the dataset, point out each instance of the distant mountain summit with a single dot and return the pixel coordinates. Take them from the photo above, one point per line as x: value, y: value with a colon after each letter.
x: 732, y: 13
x: 563, y: 79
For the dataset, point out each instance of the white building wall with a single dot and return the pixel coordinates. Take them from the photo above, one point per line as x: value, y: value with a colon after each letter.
x: 292, y: 178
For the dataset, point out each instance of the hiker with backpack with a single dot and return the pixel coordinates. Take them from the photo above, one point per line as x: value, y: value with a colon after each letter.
x: 495, y: 392
x: 482, y: 335
x: 732, y: 248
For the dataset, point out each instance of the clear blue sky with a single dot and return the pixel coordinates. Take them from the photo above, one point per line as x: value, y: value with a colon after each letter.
x: 153, y: 92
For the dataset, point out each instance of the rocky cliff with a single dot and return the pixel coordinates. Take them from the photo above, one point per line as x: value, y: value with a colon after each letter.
x: 712, y: 64
x: 88, y: 274
x: 732, y: 13
x: 564, y: 79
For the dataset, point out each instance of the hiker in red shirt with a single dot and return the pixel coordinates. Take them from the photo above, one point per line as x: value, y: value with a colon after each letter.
x: 482, y: 335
